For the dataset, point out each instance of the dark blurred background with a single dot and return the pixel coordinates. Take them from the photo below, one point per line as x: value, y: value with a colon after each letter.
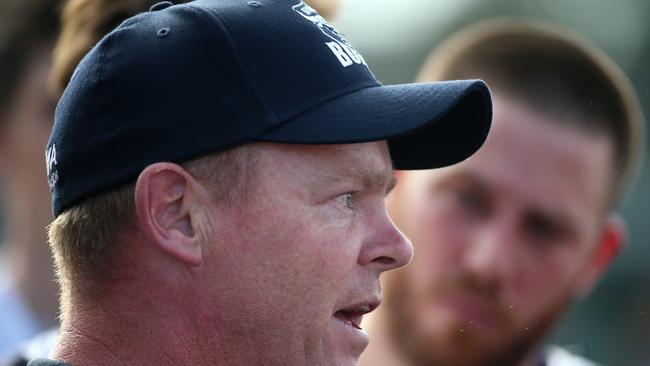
x: 612, y: 325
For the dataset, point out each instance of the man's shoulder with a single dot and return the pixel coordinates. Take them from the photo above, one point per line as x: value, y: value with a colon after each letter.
x: 557, y: 356
x: 46, y: 362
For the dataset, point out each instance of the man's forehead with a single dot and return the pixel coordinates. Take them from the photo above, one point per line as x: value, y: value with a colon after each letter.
x: 366, y: 162
x: 369, y: 154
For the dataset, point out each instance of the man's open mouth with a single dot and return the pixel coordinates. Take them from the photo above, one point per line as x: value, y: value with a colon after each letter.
x: 353, y: 315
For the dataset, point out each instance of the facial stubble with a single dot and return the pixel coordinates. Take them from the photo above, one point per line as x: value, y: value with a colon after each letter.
x: 471, y: 350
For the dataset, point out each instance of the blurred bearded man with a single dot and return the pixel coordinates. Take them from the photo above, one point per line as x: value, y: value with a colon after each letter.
x: 506, y: 240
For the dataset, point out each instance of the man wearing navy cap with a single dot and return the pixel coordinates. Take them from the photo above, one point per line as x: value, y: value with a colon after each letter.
x: 218, y: 173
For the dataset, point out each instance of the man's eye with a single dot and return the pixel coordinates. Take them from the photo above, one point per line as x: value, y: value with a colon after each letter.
x: 471, y: 203
x: 345, y: 199
x: 468, y: 200
x: 541, y: 228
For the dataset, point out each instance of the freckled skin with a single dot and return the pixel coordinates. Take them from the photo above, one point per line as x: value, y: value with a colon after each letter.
x: 503, y: 242
x: 256, y: 279
x: 296, y: 254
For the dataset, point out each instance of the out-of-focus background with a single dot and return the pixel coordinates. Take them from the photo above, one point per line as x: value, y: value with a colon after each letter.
x: 612, y: 325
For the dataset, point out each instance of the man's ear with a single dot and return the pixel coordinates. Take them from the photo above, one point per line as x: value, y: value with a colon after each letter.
x: 612, y: 240
x: 165, y: 195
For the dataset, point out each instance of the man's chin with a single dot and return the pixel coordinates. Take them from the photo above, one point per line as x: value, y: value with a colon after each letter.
x: 345, y: 342
x: 453, y: 342
x: 456, y: 344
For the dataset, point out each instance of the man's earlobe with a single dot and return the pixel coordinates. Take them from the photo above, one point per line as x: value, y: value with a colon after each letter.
x: 612, y: 241
x: 164, y: 198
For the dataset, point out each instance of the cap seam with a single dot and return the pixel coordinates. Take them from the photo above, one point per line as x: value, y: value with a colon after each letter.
x: 256, y: 88
x: 353, y: 89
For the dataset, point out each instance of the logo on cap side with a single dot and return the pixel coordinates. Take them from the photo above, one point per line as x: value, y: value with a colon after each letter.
x: 51, y: 165
x: 340, y: 47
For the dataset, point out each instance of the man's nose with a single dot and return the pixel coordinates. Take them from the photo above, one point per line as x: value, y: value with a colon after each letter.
x: 386, y: 247
x: 490, y: 256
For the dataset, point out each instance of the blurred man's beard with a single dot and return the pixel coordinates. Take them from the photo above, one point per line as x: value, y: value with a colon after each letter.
x: 460, y: 344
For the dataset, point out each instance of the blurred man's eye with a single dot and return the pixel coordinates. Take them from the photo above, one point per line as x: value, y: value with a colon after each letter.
x: 471, y: 202
x: 541, y: 228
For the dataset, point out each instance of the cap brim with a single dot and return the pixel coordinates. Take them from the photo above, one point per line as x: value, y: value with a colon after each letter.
x: 427, y: 125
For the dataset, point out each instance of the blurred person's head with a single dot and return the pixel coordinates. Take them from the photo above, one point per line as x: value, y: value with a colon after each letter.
x: 28, y: 29
x: 246, y: 203
x: 326, y: 8
x: 506, y: 240
x: 85, y: 22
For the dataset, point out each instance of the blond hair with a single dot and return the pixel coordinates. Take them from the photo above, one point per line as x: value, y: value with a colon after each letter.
x: 87, y: 239
x: 83, y: 24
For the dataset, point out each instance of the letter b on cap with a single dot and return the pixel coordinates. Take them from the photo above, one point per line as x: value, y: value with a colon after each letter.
x: 340, y: 54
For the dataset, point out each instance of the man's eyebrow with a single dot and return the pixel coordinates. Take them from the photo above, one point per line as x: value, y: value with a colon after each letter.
x: 383, y: 180
x: 467, y: 178
x: 380, y: 180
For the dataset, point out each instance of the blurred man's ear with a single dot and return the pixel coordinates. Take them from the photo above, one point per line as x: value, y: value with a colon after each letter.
x: 612, y: 240
x: 164, y: 197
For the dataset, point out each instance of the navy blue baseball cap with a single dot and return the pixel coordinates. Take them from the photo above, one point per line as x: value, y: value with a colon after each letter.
x: 182, y: 81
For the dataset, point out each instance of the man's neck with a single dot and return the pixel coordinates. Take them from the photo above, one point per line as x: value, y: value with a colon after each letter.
x: 109, y: 336
x: 146, y: 320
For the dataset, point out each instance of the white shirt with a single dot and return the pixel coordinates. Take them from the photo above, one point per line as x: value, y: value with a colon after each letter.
x: 556, y: 356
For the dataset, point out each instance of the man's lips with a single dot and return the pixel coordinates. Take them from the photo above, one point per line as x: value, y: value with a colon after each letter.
x: 353, y: 315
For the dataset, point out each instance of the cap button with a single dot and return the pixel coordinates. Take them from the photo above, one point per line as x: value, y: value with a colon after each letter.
x: 161, y: 5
